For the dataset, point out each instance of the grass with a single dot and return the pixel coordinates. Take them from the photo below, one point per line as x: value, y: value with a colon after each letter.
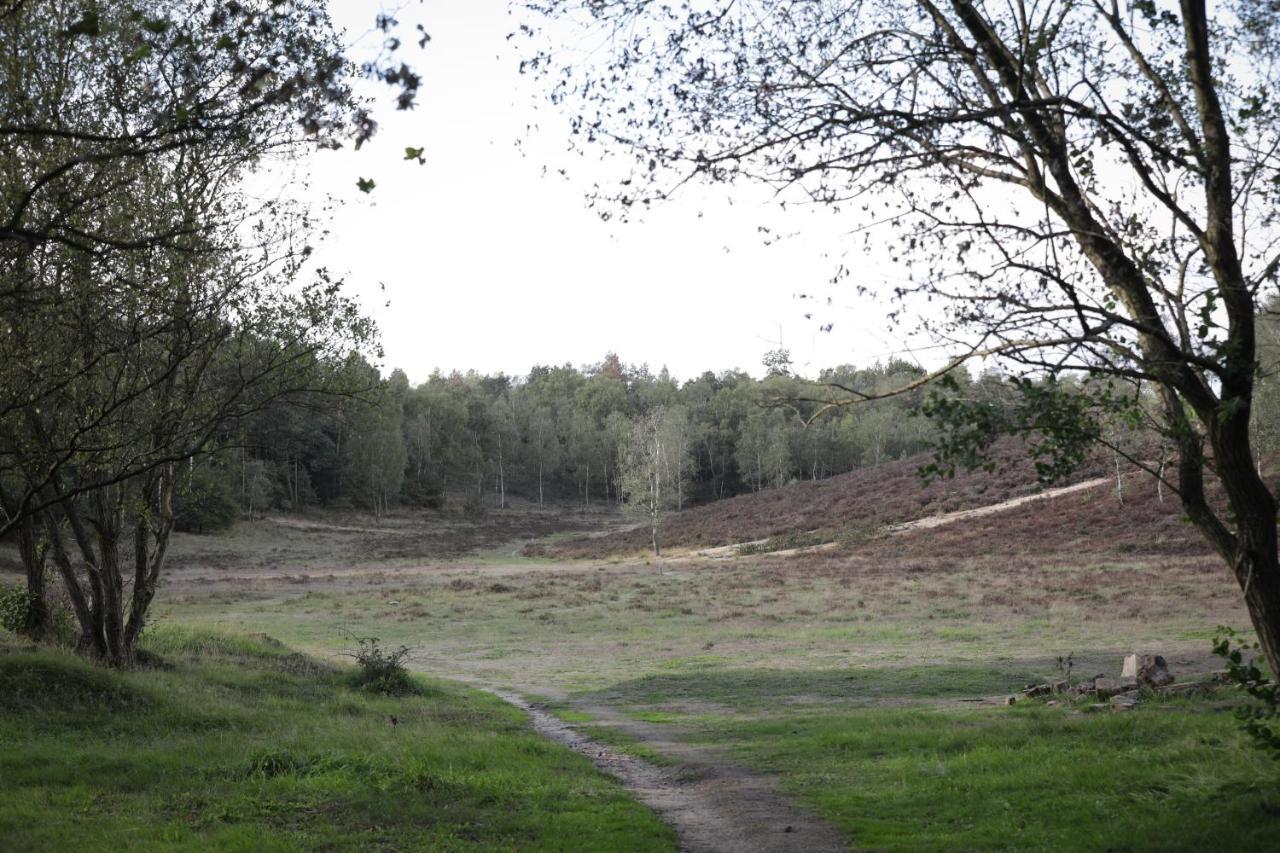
x: 237, y: 743
x: 847, y: 673
x: 1025, y: 778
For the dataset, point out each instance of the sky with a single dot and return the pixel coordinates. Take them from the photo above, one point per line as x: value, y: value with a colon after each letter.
x: 486, y: 258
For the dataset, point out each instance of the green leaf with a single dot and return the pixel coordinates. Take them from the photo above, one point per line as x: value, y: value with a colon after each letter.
x: 89, y: 25
x: 411, y: 153
x: 138, y: 54
x: 365, y: 185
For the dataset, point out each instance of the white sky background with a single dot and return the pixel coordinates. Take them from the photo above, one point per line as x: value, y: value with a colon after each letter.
x: 487, y: 264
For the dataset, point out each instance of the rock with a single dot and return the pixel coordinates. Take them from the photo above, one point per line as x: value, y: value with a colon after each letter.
x: 1052, y: 703
x: 1107, y: 687
x: 1011, y: 700
x: 1149, y: 670
x: 1123, y: 706
x: 1133, y: 696
x: 1034, y: 690
x: 1059, y: 686
x: 1189, y: 688
x: 1096, y: 707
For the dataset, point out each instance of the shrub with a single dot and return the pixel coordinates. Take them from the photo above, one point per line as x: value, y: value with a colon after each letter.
x: 382, y: 671
x: 1259, y: 718
x: 207, y: 503
x: 15, y: 609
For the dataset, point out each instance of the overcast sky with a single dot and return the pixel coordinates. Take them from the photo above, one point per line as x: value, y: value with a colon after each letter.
x: 490, y: 260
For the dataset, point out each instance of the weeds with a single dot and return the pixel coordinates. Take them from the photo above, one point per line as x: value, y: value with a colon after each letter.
x: 381, y: 670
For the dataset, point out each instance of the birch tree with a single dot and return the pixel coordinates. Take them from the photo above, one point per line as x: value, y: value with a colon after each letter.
x: 653, y: 472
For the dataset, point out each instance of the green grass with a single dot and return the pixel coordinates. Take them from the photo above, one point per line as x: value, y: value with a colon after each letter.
x: 761, y: 688
x: 840, y: 675
x: 1166, y: 777
x: 236, y: 743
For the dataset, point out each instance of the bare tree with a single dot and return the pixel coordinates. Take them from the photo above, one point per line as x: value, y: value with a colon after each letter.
x: 1085, y: 187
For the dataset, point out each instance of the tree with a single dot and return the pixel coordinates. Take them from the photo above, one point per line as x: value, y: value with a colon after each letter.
x: 655, y: 467
x: 375, y: 451
x: 543, y: 444
x: 149, y: 306
x: 1085, y: 188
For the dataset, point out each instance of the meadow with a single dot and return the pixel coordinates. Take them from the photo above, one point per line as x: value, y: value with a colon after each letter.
x: 866, y: 680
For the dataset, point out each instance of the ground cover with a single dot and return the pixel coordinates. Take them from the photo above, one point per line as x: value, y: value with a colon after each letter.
x: 237, y: 743
x: 848, y: 505
x: 868, y: 680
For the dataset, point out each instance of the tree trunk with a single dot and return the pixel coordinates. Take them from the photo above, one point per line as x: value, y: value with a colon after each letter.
x: 37, y: 619
x: 1249, y: 546
x: 1119, y: 480
x: 502, y: 479
x: 1255, y: 561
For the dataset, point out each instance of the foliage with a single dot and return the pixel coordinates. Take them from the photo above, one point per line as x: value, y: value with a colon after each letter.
x: 152, y: 304
x: 1259, y: 719
x: 1061, y: 422
x: 206, y: 502
x: 15, y: 608
x: 382, y: 670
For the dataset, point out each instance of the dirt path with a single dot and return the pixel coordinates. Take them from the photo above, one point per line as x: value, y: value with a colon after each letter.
x: 961, y: 515
x: 721, y: 552
x: 714, y: 806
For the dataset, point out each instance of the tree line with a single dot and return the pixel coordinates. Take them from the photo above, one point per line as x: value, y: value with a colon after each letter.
x: 558, y: 434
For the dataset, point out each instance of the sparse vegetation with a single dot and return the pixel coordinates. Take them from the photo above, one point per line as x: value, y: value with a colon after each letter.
x: 382, y: 670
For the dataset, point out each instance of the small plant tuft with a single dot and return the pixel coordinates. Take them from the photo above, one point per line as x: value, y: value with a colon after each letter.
x: 1259, y: 719
x: 16, y: 604
x: 382, y: 671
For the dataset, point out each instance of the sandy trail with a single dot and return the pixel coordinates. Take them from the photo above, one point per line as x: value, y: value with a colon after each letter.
x: 713, y: 805
x: 961, y: 515
x: 726, y: 551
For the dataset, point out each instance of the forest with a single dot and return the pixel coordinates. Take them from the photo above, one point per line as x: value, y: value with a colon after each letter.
x: 557, y: 434
x: 560, y: 433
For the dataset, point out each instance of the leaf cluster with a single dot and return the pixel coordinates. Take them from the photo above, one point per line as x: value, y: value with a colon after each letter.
x: 1259, y: 719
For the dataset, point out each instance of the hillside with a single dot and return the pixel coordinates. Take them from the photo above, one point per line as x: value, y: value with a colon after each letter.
x: 863, y: 503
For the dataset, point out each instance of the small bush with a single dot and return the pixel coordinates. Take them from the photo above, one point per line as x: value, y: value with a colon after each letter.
x: 15, y: 608
x: 474, y: 505
x: 1259, y: 719
x: 382, y: 671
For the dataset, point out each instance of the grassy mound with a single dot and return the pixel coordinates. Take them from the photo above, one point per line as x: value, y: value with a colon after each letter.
x: 238, y: 743
x: 48, y: 683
